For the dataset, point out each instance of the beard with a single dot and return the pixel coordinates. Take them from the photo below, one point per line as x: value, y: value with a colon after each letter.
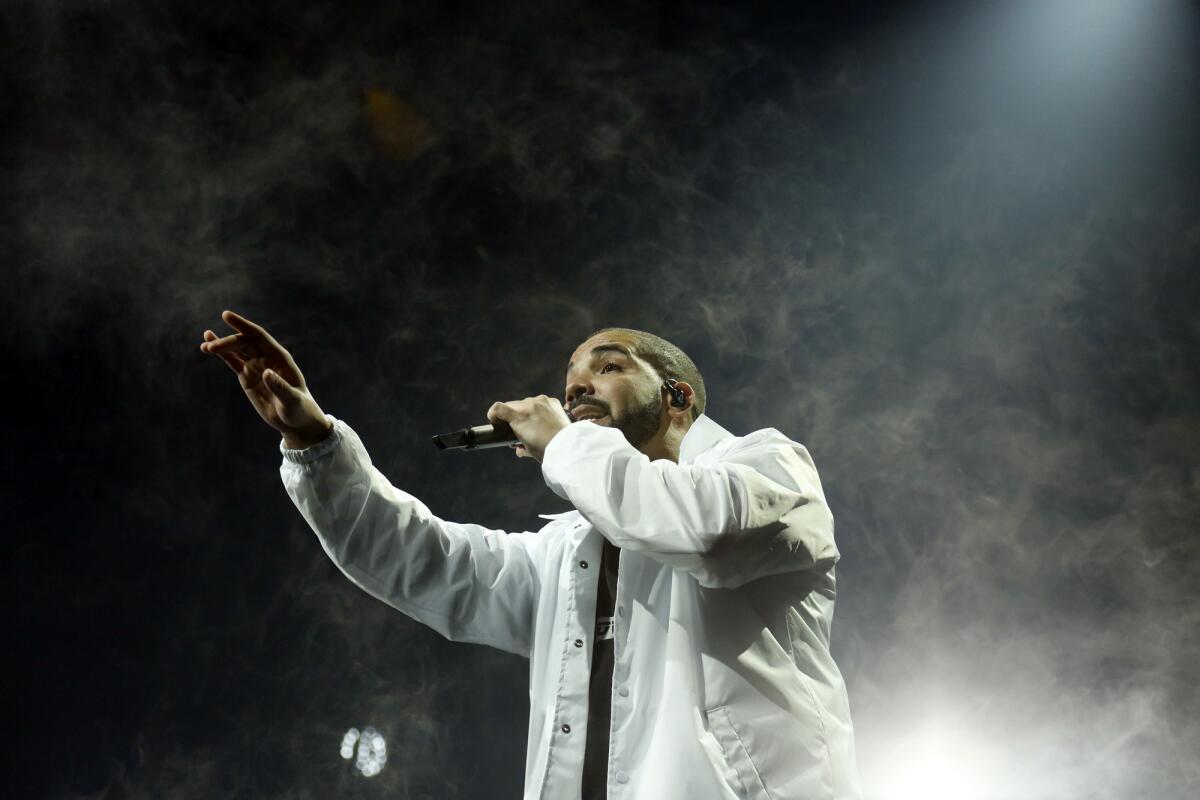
x: 640, y: 423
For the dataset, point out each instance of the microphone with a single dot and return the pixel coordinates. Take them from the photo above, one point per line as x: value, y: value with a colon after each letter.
x: 480, y: 437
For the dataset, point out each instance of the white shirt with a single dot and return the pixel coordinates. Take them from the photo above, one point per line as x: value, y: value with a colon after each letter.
x: 723, y: 685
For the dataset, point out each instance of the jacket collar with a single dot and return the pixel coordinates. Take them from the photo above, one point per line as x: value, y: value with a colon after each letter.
x: 701, y: 437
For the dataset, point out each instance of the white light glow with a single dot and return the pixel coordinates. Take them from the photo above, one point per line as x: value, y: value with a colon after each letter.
x: 935, y: 763
x: 368, y: 749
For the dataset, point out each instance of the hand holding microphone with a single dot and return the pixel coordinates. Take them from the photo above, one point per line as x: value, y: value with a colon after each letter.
x: 534, y: 420
x: 530, y: 424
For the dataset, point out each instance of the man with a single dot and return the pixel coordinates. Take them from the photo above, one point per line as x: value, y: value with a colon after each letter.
x: 677, y: 621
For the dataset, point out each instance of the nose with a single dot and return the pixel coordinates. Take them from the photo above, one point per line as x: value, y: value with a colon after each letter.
x: 575, y: 390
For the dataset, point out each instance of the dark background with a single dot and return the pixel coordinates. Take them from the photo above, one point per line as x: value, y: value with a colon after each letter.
x: 951, y: 247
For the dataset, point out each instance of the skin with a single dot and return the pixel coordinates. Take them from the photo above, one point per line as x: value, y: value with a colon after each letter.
x: 271, y: 380
x: 623, y: 389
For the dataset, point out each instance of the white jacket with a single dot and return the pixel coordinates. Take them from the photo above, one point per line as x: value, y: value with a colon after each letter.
x: 723, y: 686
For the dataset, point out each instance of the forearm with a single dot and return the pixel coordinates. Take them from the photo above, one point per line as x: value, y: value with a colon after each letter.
x: 466, y: 582
x: 757, y: 511
x: 657, y: 506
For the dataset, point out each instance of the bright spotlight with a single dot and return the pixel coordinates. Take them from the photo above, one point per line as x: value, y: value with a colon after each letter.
x: 367, y: 748
x: 934, y: 764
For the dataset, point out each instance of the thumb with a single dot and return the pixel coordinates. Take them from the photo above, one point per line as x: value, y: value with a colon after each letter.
x: 279, y: 387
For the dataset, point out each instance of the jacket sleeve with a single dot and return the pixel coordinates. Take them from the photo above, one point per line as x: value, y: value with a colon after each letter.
x: 467, y: 582
x: 757, y: 511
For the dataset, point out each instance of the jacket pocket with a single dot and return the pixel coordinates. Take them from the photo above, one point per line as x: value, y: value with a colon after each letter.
x: 722, y: 726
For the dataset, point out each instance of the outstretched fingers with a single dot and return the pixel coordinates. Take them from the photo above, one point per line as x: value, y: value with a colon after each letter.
x: 241, y: 324
x: 231, y: 358
x: 252, y: 338
x: 217, y: 342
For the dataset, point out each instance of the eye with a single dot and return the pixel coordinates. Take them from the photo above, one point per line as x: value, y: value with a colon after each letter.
x: 606, y: 366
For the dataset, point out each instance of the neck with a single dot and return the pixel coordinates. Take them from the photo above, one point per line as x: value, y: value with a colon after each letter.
x: 667, y: 441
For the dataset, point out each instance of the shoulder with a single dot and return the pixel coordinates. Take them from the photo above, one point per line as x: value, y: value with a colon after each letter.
x: 762, y: 440
x: 773, y: 454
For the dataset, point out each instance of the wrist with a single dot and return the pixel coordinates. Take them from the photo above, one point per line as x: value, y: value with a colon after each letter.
x: 301, y: 440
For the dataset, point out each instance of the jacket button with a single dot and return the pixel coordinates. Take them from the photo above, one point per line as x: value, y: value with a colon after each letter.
x: 583, y: 565
x: 579, y: 642
x: 566, y: 728
x: 623, y: 691
x: 622, y: 777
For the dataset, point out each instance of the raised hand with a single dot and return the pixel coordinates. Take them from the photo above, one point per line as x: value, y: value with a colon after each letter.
x: 271, y: 380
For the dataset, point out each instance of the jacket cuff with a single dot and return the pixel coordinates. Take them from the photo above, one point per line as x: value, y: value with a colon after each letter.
x: 327, y: 445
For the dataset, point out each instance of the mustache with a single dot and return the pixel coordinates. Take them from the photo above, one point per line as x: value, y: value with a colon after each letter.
x: 585, y: 402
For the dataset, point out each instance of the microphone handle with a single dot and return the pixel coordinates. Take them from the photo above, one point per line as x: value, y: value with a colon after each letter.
x: 479, y: 437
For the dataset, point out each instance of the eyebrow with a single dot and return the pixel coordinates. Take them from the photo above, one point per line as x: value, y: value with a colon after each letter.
x: 601, y: 348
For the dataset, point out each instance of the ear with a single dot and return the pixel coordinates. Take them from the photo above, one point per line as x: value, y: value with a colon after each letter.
x: 689, y: 395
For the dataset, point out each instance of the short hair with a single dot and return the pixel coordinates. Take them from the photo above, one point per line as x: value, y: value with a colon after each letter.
x: 668, y: 360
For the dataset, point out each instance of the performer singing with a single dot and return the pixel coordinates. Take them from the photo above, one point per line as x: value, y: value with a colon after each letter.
x: 677, y: 620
